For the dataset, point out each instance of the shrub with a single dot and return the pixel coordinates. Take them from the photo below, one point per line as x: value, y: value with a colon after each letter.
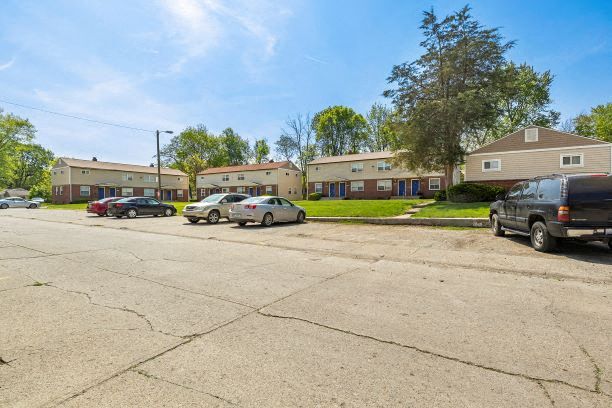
x: 440, y: 195
x: 314, y: 196
x: 473, y: 192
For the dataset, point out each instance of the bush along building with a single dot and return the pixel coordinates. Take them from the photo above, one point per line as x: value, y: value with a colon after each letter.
x: 274, y: 178
x: 369, y: 176
x: 76, y: 180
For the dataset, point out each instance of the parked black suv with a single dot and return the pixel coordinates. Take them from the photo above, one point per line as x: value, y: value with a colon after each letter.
x: 556, y: 207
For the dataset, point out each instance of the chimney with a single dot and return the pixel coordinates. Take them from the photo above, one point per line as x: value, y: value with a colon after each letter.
x: 151, y: 165
x: 94, y: 158
x: 271, y: 161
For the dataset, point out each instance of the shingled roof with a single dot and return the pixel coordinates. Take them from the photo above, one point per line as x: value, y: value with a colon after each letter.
x: 353, y: 157
x: 100, y: 165
x: 250, y: 167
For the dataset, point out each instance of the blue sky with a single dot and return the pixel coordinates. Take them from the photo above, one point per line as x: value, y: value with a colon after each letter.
x: 249, y: 64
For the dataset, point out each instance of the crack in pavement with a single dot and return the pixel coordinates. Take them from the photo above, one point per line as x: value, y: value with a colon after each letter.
x: 272, y: 244
x: 432, y: 353
x: 597, y: 372
x: 122, y: 309
x: 148, y: 375
x: 546, y: 393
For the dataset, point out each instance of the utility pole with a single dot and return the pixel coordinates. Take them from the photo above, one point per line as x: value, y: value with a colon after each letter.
x: 159, y: 183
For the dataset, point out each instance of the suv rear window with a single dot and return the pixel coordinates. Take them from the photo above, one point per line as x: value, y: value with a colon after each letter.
x: 549, y: 189
x: 595, y: 187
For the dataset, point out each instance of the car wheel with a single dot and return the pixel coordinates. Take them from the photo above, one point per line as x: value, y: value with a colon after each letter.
x: 496, y: 226
x: 268, y: 220
x: 242, y: 223
x: 168, y: 212
x: 213, y: 217
x: 193, y: 220
x: 132, y: 213
x: 108, y: 213
x: 541, y: 240
x: 4, y: 206
x: 301, y: 217
x: 32, y: 206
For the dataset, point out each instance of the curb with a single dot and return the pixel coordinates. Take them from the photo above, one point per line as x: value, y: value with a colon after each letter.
x: 436, y: 222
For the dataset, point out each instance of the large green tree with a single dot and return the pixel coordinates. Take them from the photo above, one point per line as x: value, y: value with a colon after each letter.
x: 13, y: 131
x: 447, y: 93
x: 596, y: 124
x: 261, y: 151
x: 193, y: 150
x: 340, y: 130
x: 522, y: 98
x: 380, y: 132
x: 28, y: 164
x: 236, y: 148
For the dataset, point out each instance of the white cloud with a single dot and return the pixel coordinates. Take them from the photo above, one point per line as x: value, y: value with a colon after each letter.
x: 7, y: 65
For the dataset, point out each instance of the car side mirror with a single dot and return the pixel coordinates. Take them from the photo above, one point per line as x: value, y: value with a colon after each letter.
x: 500, y: 197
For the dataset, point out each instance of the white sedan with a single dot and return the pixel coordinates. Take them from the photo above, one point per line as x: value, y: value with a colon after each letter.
x: 17, y: 202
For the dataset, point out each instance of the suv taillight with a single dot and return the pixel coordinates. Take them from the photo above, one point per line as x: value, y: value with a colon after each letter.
x: 563, y: 215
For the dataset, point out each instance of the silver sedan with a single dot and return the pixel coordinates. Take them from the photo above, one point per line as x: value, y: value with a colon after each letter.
x: 212, y: 208
x: 17, y: 202
x: 266, y: 210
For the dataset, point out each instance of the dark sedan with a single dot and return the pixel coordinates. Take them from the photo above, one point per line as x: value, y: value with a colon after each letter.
x: 135, y: 206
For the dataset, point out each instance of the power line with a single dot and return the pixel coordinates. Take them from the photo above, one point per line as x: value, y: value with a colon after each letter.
x: 77, y: 117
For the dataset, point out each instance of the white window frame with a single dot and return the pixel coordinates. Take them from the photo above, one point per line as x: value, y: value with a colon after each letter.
x: 319, y: 188
x: 128, y: 193
x: 268, y: 173
x: 571, y: 155
x: 356, y: 167
x: 151, y: 192
x: 269, y: 190
x: 88, y: 188
x: 439, y: 183
x: 225, y: 177
x: 386, y: 185
x: 179, y: 193
x: 128, y: 176
x: 383, y: 165
x: 85, y: 172
x: 240, y: 190
x: 240, y: 177
x: 59, y: 190
x: 150, y: 178
x: 533, y: 132
x: 357, y: 185
x: 225, y: 190
x: 499, y: 165
x: 202, y: 191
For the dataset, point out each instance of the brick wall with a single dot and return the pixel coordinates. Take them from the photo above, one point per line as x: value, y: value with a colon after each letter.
x: 371, y: 191
x: 93, y: 194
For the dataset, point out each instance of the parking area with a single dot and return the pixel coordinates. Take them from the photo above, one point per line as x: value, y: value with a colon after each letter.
x: 160, y: 312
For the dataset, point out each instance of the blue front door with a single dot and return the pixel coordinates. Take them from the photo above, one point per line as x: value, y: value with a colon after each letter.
x: 416, y: 187
x: 100, y: 193
x: 258, y: 192
x: 112, y: 192
x: 251, y: 191
x: 342, y: 189
x: 169, y: 195
x: 401, y: 188
x: 332, y: 189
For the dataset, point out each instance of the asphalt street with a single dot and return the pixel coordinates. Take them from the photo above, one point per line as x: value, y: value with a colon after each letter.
x: 157, y: 312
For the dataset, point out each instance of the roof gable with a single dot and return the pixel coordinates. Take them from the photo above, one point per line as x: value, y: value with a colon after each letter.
x: 547, y: 139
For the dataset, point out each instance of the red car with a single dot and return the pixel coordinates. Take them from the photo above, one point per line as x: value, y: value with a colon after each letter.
x: 100, y: 207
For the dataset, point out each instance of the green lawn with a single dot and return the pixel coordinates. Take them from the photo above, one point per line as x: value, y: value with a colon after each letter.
x: 446, y: 209
x: 82, y: 206
x: 357, y: 208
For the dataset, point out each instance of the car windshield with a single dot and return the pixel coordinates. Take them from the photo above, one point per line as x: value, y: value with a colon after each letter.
x: 254, y: 200
x: 215, y: 198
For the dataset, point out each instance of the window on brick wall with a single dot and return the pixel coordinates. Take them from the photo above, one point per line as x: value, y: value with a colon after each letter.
x: 383, y: 185
x: 127, y: 191
x: 179, y: 193
x: 84, y: 191
x: 318, y: 187
x: 269, y: 190
x: 434, y: 183
x: 149, y: 192
x: 357, y: 186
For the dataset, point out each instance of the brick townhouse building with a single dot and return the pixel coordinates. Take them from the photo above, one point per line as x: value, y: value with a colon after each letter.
x: 274, y: 178
x: 369, y: 176
x: 76, y: 180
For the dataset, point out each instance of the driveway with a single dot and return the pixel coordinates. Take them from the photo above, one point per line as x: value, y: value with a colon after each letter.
x: 160, y: 312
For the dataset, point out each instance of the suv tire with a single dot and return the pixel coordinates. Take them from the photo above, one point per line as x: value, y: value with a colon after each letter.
x: 496, y: 226
x: 213, y: 217
x: 541, y: 240
x: 610, y: 244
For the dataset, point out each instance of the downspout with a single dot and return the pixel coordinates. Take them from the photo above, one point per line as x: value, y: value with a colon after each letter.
x: 70, y: 182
